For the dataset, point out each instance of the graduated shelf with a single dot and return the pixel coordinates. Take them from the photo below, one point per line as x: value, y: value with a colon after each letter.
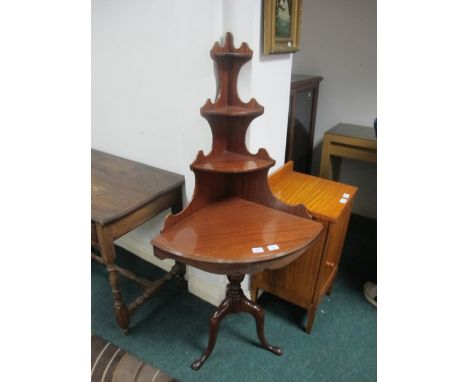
x: 232, y: 111
x: 236, y: 231
x: 232, y: 55
x: 229, y: 162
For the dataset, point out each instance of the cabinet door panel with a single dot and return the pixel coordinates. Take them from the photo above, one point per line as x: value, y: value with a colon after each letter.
x: 302, y: 141
x: 333, y: 250
x: 297, y: 281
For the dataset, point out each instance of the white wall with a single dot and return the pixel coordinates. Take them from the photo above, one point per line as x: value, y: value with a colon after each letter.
x: 339, y: 42
x: 151, y: 73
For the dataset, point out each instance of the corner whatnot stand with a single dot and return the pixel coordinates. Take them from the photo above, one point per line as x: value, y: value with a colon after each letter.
x: 234, y: 225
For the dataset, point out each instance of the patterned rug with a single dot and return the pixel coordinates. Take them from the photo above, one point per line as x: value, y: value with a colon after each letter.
x: 110, y: 363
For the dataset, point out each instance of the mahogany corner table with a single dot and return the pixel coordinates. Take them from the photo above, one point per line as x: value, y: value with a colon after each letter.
x: 233, y: 224
x: 124, y: 195
x: 234, y: 237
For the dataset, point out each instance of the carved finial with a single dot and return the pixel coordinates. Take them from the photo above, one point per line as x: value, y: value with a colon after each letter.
x: 229, y: 39
x: 228, y: 47
x: 229, y: 60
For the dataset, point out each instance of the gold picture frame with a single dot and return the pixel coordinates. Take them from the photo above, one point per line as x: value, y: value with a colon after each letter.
x: 281, y: 26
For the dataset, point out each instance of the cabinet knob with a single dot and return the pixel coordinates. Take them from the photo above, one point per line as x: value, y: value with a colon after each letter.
x: 329, y: 264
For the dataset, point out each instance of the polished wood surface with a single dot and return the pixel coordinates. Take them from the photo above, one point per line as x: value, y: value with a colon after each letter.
x: 305, y: 281
x: 234, y: 224
x: 298, y: 288
x: 120, y: 186
x: 124, y: 195
x: 230, y: 170
x: 346, y: 141
x: 319, y: 195
x: 228, y: 162
x: 223, y: 237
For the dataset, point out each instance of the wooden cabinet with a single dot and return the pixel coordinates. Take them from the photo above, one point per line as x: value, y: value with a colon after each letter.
x: 301, y: 121
x: 305, y: 281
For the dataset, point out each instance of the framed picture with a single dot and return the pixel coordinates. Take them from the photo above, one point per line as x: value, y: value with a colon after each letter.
x: 281, y: 26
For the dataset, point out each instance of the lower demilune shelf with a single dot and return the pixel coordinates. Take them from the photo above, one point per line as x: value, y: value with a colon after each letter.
x: 236, y: 235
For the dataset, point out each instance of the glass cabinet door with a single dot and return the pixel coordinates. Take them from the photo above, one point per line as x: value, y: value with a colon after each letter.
x: 301, y: 121
x: 302, y: 140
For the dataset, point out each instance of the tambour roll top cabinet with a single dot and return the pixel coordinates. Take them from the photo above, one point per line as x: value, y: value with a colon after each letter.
x: 233, y: 224
x: 305, y: 281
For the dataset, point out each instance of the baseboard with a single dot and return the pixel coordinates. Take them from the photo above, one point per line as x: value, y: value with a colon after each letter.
x: 211, y: 293
x: 143, y: 251
x: 208, y: 292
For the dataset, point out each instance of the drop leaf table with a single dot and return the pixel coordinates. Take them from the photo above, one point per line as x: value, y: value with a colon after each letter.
x: 124, y: 195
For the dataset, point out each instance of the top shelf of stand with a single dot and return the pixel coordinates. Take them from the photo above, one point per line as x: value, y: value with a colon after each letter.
x: 232, y: 55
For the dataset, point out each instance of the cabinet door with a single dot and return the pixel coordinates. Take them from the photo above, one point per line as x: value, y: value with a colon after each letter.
x: 296, y: 282
x: 333, y: 249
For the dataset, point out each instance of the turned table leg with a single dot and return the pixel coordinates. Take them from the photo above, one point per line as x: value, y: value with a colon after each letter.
x: 235, y: 302
x: 108, y: 254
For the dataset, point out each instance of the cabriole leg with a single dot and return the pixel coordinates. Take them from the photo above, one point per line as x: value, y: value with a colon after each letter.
x: 259, y: 314
x: 235, y: 302
x: 218, y: 315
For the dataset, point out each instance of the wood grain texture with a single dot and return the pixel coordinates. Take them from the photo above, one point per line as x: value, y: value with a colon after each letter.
x: 305, y: 281
x: 320, y: 196
x: 333, y: 249
x: 234, y: 225
x: 230, y: 170
x: 221, y: 236
x: 120, y: 186
x: 125, y: 194
x: 305, y: 270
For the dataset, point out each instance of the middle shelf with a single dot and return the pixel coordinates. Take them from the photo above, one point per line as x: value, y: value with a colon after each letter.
x: 229, y: 162
x: 232, y: 111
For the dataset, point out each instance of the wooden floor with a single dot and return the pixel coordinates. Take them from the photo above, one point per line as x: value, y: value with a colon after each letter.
x: 110, y: 363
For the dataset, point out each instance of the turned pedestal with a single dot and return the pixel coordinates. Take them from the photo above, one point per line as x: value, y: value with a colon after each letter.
x: 235, y: 302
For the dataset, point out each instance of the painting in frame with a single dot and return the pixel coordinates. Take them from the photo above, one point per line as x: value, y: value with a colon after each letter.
x: 281, y: 26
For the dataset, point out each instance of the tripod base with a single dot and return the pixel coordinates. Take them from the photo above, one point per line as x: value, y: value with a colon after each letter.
x: 235, y: 302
